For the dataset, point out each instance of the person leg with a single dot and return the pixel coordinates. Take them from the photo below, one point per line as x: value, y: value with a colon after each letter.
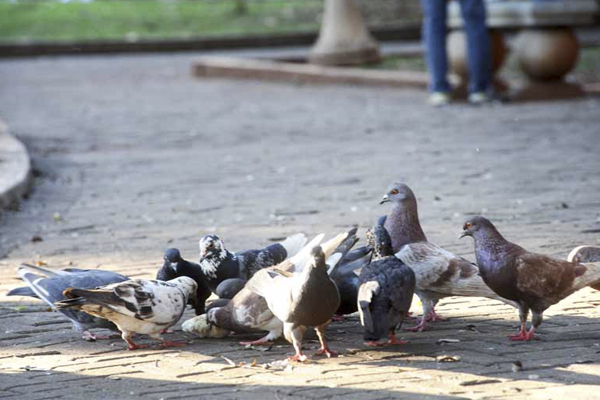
x: 434, y: 39
x: 479, y: 54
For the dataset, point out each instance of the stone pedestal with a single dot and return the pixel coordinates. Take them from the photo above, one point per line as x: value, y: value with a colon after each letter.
x: 343, y: 38
x: 457, y: 57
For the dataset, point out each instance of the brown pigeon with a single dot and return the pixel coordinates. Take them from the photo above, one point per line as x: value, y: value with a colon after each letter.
x: 533, y: 281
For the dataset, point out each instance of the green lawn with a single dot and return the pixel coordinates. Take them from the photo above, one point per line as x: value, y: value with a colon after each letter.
x: 117, y: 19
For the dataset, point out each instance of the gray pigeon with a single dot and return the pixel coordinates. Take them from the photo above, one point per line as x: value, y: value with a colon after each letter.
x: 439, y: 272
x: 137, y: 306
x: 585, y: 254
x: 48, y: 285
x: 219, y: 264
x: 306, y: 297
x: 534, y: 281
x: 385, y: 292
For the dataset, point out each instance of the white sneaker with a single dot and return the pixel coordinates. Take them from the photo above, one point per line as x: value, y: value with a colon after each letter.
x: 479, y: 98
x: 438, y: 99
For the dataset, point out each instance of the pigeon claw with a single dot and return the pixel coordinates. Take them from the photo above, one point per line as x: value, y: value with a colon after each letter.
x: 524, y: 336
x: 419, y: 328
x: 393, y: 340
x: 327, y: 352
x: 168, y: 343
x: 133, y: 346
x: 433, y: 317
x: 298, y: 358
x: 258, y: 342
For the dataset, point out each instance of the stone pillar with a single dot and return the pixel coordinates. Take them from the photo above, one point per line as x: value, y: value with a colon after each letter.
x: 344, y: 38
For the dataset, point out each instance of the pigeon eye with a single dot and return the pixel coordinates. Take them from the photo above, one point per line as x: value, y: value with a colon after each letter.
x: 394, y: 191
x: 468, y: 225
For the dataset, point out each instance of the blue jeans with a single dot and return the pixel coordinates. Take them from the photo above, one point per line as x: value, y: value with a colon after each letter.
x: 478, y: 44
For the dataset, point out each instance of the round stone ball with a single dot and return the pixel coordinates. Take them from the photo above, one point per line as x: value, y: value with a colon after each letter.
x: 457, y: 51
x: 546, y: 54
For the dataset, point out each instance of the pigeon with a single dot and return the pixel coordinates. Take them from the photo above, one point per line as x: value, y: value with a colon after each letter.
x: 585, y: 254
x: 533, y: 281
x: 48, y: 286
x: 248, y: 312
x: 386, y: 290
x: 345, y: 275
x: 230, y: 287
x: 175, y: 266
x: 219, y: 264
x: 136, y: 306
x: 439, y: 272
x: 302, y: 297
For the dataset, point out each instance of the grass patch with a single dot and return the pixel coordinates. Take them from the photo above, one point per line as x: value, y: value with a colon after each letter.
x: 130, y: 19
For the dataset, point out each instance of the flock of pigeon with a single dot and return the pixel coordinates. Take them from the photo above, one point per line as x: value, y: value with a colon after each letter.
x: 288, y: 287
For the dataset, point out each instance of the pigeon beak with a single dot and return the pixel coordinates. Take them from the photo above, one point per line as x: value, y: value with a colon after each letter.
x: 384, y: 199
x: 465, y: 233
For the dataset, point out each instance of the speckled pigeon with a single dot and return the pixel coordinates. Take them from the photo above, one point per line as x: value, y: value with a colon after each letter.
x: 534, y: 281
x: 48, y: 286
x: 219, y: 264
x: 439, y: 272
x: 136, y: 306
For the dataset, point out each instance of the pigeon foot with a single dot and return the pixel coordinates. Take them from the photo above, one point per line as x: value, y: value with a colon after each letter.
x: 298, y: 358
x: 419, y: 328
x: 326, y: 352
x: 524, y: 336
x: 263, y: 341
x: 133, y: 346
x: 433, y: 316
x: 168, y: 343
x: 338, y: 318
x: 393, y: 340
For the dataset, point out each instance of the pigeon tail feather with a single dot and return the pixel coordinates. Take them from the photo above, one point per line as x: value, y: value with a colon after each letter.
x: 22, y: 291
x: 75, y: 302
x: 293, y: 244
x: 40, y: 270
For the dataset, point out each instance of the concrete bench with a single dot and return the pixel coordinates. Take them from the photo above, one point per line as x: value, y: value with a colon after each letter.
x: 545, y: 45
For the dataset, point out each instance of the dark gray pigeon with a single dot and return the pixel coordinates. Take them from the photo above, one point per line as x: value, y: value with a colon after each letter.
x: 440, y: 273
x: 533, y: 281
x: 230, y: 287
x: 345, y: 273
x: 385, y: 292
x: 305, y: 297
x: 136, y: 306
x: 175, y: 266
x: 48, y: 285
x: 219, y: 264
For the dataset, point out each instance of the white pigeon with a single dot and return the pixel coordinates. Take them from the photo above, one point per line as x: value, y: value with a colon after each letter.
x: 136, y: 306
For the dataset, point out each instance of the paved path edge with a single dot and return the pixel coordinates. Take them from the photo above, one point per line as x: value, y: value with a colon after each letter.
x: 16, y: 176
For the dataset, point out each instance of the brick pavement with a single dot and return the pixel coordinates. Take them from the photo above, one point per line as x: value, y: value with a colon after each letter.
x: 132, y: 155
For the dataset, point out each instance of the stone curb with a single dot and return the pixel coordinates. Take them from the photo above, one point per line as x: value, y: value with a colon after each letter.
x: 15, y: 169
x: 243, y: 68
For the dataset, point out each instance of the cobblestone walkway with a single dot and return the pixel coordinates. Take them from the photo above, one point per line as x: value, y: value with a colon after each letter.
x: 133, y: 155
